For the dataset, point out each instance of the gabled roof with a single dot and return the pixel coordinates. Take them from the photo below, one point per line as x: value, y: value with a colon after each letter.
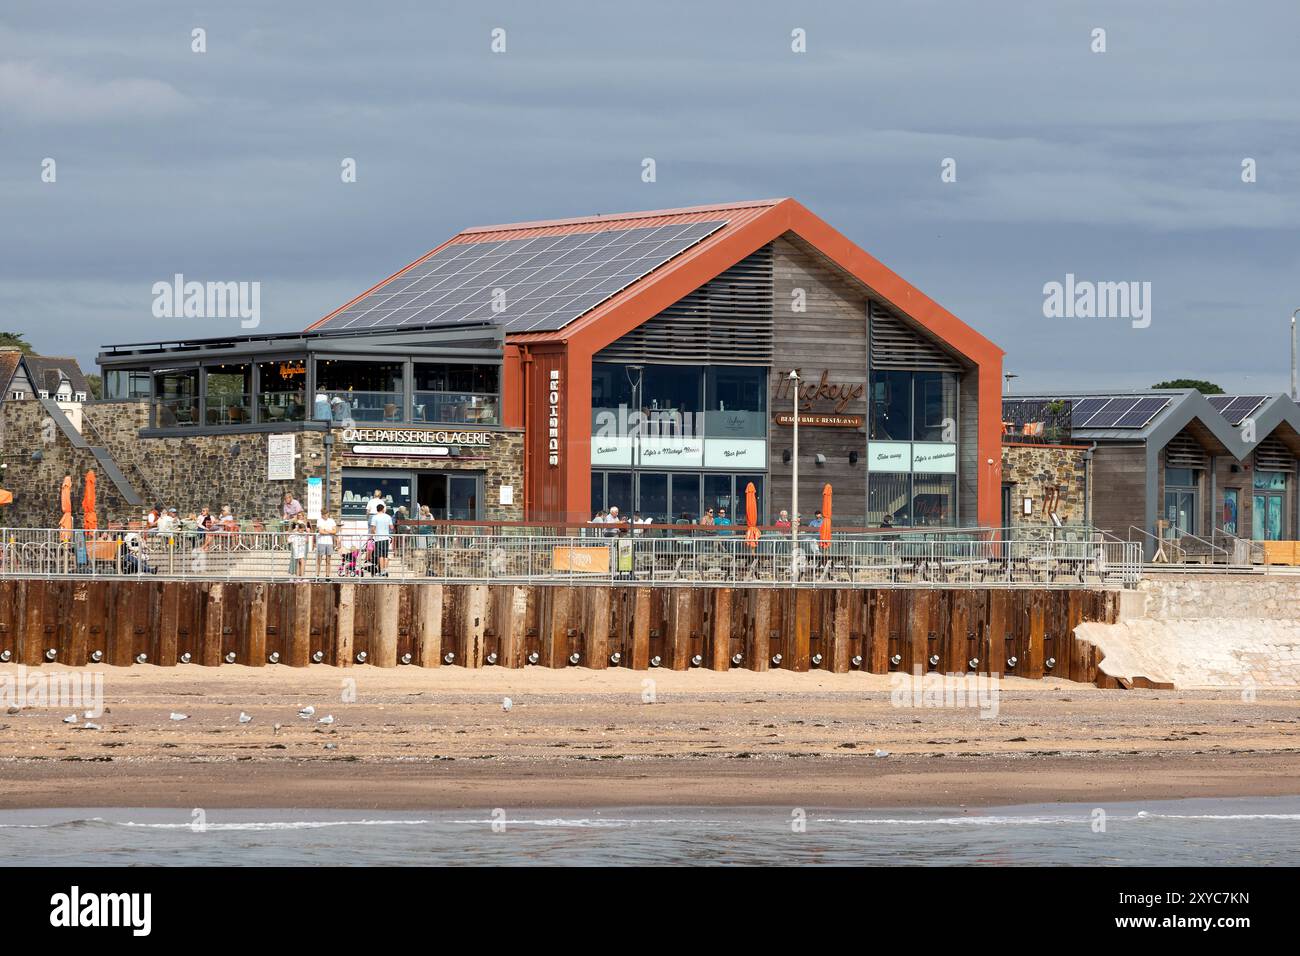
x: 1187, y: 409
x: 746, y: 227
x: 9, y: 361
x: 47, y: 371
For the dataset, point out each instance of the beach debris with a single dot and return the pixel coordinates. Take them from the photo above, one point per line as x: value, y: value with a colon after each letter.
x: 70, y: 719
x: 176, y: 716
x: 326, y: 720
x: 882, y: 753
x: 13, y: 710
x: 507, y: 704
x: 331, y: 746
x: 307, y: 711
x: 244, y: 718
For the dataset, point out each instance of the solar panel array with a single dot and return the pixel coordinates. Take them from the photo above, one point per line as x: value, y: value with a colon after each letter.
x: 539, y: 284
x: 1126, y: 411
x: 1236, y: 408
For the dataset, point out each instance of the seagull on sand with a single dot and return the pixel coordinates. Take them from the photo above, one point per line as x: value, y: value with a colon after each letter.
x: 176, y: 716
x: 306, y: 712
x: 507, y: 704
x: 326, y: 720
x: 244, y: 718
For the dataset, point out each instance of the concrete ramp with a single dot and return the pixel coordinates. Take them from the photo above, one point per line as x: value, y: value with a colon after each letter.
x: 1201, y: 653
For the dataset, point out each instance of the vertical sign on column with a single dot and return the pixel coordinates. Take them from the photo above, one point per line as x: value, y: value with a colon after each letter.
x: 553, y: 419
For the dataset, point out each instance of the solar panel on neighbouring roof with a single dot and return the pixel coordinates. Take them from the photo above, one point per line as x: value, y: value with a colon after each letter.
x: 1220, y: 402
x: 1240, y: 407
x: 1140, y: 415
x: 1084, y: 409
x: 539, y: 284
x: 1111, y: 413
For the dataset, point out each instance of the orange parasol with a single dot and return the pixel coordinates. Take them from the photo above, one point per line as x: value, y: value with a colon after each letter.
x: 825, y: 531
x: 89, y: 520
x: 65, y: 499
x: 751, y: 516
x: 6, y: 497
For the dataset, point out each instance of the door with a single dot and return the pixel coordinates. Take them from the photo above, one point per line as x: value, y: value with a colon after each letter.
x: 1180, y: 511
x: 1267, y: 517
x: 450, y: 497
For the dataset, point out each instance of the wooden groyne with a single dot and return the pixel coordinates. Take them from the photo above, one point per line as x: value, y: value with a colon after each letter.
x: 1024, y: 632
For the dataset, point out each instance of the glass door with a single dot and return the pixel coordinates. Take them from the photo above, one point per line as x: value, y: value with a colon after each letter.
x: 652, y: 496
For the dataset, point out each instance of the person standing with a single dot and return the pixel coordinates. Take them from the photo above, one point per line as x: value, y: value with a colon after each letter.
x: 326, y: 533
x: 298, y: 548
x: 381, y: 529
x: 292, y: 508
x: 375, y: 503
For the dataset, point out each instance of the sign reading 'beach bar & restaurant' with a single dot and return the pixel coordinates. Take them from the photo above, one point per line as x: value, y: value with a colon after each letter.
x: 415, y: 442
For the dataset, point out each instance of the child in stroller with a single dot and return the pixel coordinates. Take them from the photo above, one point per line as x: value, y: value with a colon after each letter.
x: 357, y: 562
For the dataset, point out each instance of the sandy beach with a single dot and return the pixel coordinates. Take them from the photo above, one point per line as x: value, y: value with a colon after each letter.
x: 441, y: 739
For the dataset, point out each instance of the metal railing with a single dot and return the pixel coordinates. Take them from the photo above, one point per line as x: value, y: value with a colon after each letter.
x: 773, y: 560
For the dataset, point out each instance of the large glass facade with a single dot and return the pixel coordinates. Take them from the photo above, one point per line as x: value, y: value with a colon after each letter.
x: 736, y: 403
x: 228, y: 391
x: 361, y: 391
x: 912, y: 450
x: 455, y: 394
x: 176, y: 402
x: 282, y: 390
x: 675, y: 497
x: 127, y: 383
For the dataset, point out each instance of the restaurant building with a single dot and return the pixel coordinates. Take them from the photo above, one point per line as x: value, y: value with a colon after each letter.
x: 648, y: 355
x: 549, y: 370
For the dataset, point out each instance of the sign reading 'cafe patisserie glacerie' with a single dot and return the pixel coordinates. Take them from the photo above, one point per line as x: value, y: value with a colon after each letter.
x: 430, y: 442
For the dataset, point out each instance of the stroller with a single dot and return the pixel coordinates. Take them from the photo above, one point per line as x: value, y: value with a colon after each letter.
x: 359, y: 561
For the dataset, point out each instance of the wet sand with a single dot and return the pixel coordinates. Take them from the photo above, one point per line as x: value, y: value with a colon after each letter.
x: 440, y: 739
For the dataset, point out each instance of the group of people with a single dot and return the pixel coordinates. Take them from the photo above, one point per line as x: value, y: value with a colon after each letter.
x: 710, y: 519
x: 197, y: 526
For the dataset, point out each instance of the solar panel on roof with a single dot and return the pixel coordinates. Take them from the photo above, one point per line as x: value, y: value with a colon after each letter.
x: 1111, y: 412
x: 546, y: 281
x: 1241, y: 407
x: 1084, y: 409
x: 1140, y: 415
x: 1220, y: 402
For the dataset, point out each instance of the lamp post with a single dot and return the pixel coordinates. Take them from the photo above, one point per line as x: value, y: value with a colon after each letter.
x: 1293, y: 383
x: 794, y: 486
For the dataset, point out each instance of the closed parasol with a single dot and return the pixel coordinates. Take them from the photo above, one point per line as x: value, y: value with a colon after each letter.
x: 751, y: 516
x: 65, y: 500
x: 89, y: 520
x: 6, y: 497
x: 825, y: 531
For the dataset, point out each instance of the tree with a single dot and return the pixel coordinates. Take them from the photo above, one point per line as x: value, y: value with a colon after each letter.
x: 1202, y: 386
x: 16, y: 340
x: 96, y: 386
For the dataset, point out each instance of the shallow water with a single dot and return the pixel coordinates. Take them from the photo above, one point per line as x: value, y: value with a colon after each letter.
x: 1217, y: 832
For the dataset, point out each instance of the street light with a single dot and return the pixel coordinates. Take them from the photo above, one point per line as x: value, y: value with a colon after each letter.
x: 794, y: 486
x: 1293, y: 389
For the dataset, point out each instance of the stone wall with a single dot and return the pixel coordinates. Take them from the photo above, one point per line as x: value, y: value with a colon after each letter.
x: 1218, y: 596
x: 196, y: 471
x: 1046, y: 473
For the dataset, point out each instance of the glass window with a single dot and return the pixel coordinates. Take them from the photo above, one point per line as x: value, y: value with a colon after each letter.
x: 1266, y: 517
x: 1270, y: 481
x: 127, y: 383
x: 669, y: 388
x: 611, y: 389
x: 1231, y: 504
x: 618, y: 490
x: 229, y: 394
x: 888, y: 503
x: 717, y: 494
x: 455, y: 394
x: 597, y: 492
x: 891, y: 406
x: 361, y: 391
x: 934, y: 500
x: 358, y: 489
x: 281, y: 388
x: 935, y: 406
x: 686, y: 499
x: 737, y: 403
x: 177, y: 397
x: 652, y: 497
x: 1180, y: 477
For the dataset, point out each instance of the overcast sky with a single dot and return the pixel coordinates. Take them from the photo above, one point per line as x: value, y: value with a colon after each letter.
x: 225, y: 165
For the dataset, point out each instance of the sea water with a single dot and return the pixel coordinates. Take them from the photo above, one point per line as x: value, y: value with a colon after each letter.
x: 1192, y: 832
